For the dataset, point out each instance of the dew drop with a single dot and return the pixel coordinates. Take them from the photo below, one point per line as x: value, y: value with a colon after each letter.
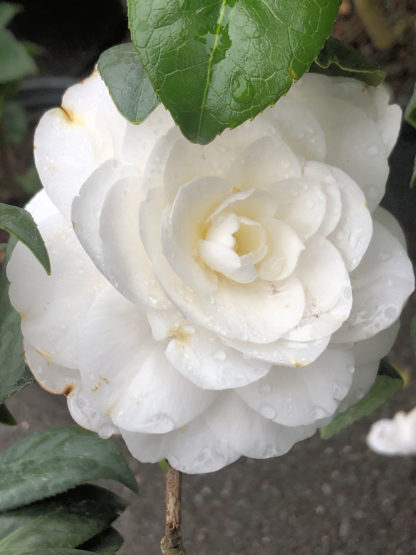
x: 105, y: 432
x: 265, y: 388
x: 383, y: 256
x: 267, y: 411
x: 319, y: 412
x: 220, y: 355
x: 390, y: 312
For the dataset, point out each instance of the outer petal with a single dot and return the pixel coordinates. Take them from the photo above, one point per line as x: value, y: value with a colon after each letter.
x: 53, y: 307
x: 193, y: 449
x: 394, y: 437
x: 303, y: 396
x: 106, y: 220
x: 243, y: 430
x: 135, y: 385
x: 381, y: 285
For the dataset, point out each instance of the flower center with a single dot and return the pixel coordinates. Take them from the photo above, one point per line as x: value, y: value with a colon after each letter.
x: 233, y: 245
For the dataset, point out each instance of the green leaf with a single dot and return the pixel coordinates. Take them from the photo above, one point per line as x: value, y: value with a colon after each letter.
x: 216, y: 64
x: 106, y: 543
x: 387, y: 384
x: 53, y: 461
x: 7, y: 13
x: 340, y: 59
x: 129, y: 86
x: 6, y: 416
x: 19, y: 223
x: 410, y: 113
x: 15, y: 122
x: 164, y: 465
x: 15, y: 62
x: 29, y: 181
x: 65, y: 521
x: 14, y: 375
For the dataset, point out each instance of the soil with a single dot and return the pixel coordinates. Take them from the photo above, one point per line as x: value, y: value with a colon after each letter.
x: 331, y: 497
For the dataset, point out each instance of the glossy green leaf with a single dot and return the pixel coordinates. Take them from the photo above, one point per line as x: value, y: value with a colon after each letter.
x: 7, y: 12
x: 19, y: 223
x: 29, y: 181
x: 106, y: 543
x: 65, y: 521
x: 15, y: 122
x: 15, y: 62
x: 410, y: 113
x: 387, y: 384
x: 6, y: 416
x: 53, y: 461
x: 129, y: 86
x: 340, y: 59
x: 216, y: 64
x: 14, y: 374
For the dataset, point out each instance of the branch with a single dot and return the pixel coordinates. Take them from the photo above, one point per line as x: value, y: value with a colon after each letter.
x: 171, y: 543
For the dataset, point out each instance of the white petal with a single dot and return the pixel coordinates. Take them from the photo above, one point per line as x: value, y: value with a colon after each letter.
x: 301, y: 204
x: 367, y: 355
x: 182, y: 230
x: 106, y: 220
x: 283, y: 250
x: 302, y: 396
x: 354, y: 144
x: 327, y: 291
x: 135, y: 385
x: 394, y: 437
x: 260, y: 311
x: 72, y: 141
x: 193, y: 449
x: 267, y: 160
x: 299, y: 128
x: 53, y: 307
x: 389, y: 221
x: 282, y: 352
x: 381, y: 285
x: 245, y: 431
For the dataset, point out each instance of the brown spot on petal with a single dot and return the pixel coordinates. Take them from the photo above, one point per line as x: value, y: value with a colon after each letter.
x: 97, y: 387
x: 73, y: 224
x: 22, y: 315
x: 105, y: 380
x: 43, y: 354
x: 178, y: 334
x: 68, y: 389
x: 300, y: 364
x: 70, y: 116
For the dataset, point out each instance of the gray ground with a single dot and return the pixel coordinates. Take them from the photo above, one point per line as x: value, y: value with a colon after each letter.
x: 333, y: 497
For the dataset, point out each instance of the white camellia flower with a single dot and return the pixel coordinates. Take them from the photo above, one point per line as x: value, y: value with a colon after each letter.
x: 214, y: 301
x: 394, y: 437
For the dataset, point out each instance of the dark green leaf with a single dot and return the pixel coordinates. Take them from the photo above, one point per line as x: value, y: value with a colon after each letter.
x: 51, y: 551
x: 410, y: 113
x: 65, y: 521
x: 106, y: 543
x: 340, y: 59
x: 15, y: 62
x: 129, y: 86
x: 14, y: 375
x: 7, y: 12
x: 216, y: 64
x: 387, y: 384
x: 19, y: 223
x: 15, y: 122
x: 29, y: 181
x: 6, y: 416
x: 53, y: 461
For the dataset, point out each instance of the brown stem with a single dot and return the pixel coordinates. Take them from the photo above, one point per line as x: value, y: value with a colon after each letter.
x: 171, y: 543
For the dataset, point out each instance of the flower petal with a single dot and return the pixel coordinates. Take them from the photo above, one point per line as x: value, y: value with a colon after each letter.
x: 135, y: 385
x: 193, y: 449
x: 303, y: 396
x: 381, y: 285
x: 243, y: 430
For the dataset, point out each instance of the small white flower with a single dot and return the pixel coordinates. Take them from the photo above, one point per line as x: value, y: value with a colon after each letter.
x: 209, y: 302
x: 396, y: 436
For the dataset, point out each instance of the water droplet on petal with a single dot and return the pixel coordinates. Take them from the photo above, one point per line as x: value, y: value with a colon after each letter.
x: 372, y: 150
x: 265, y: 388
x: 319, y: 412
x: 267, y: 411
x: 390, y: 312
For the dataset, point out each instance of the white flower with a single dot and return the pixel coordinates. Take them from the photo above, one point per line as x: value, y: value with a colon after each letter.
x: 396, y: 436
x: 209, y: 302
